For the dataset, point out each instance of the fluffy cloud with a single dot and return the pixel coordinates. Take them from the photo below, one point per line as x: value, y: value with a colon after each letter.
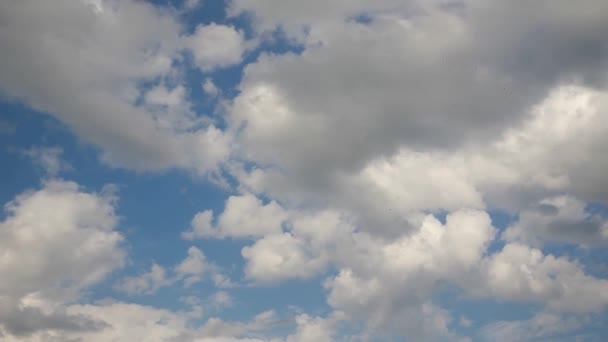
x: 243, y: 216
x: 82, y: 61
x: 521, y: 273
x: 59, y: 241
x: 193, y: 267
x: 515, y: 171
x: 279, y: 257
x: 56, y: 242
x: 315, y: 328
x: 561, y: 219
x: 216, y: 46
x: 72, y: 233
x: 541, y: 326
x: 423, y: 107
x: 388, y: 281
x: 343, y: 153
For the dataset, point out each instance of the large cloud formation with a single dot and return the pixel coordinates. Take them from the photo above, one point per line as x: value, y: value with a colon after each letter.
x: 345, y: 153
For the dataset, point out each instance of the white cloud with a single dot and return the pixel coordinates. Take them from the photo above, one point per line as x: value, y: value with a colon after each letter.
x: 388, y: 281
x: 519, y: 168
x: 315, y: 328
x: 243, y: 216
x: 193, y: 268
x: 161, y: 95
x: 278, y: 257
x: 402, y: 112
x: 192, y: 4
x: 85, y: 61
x: 542, y: 326
x: 231, y: 331
x: 521, y: 273
x: 221, y: 299
x: 72, y: 234
x: 210, y: 88
x: 216, y: 46
x: 54, y: 243
x: 48, y: 159
x: 59, y: 241
x: 201, y: 226
x: 146, y: 283
x: 389, y: 112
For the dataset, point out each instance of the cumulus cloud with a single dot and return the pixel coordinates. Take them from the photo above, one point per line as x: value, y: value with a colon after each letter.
x: 76, y: 246
x: 72, y: 233
x: 404, y: 111
x: 193, y: 267
x: 215, y: 46
x: 388, y: 281
x: 539, y: 327
x: 519, y: 168
x: 344, y: 151
x: 279, y: 257
x: 84, y: 61
x: 522, y: 273
x: 243, y: 216
x: 56, y: 242
x: 562, y: 219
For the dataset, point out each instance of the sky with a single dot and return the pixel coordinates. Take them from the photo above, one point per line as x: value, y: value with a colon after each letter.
x: 303, y: 171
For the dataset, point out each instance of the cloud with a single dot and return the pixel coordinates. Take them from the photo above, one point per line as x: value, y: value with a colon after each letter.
x: 422, y: 107
x: 343, y: 149
x: 25, y: 321
x: 48, y: 159
x: 192, y: 4
x: 76, y: 246
x: 515, y: 171
x: 72, y: 233
x: 55, y: 242
x: 315, y: 328
x: 279, y: 257
x: 86, y: 61
x: 560, y: 219
x: 210, y: 88
x: 522, y: 273
x: 539, y: 327
x: 221, y: 299
x: 243, y: 216
x: 193, y: 267
x: 216, y: 46
x: 387, y: 281
x: 146, y: 283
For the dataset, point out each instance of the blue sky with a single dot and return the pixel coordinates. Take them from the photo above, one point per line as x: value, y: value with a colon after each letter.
x: 303, y: 171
